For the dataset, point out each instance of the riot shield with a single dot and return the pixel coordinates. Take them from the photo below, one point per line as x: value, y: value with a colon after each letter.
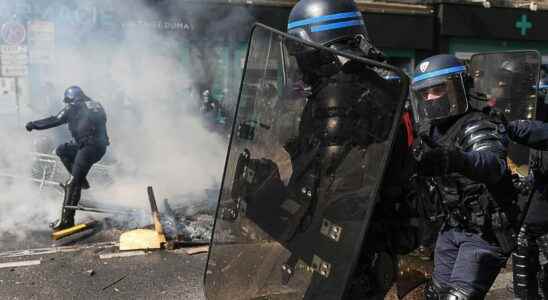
x: 273, y: 238
x: 508, y: 80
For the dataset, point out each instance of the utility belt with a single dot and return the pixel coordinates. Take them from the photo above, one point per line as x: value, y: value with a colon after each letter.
x: 91, y: 140
x: 480, y: 213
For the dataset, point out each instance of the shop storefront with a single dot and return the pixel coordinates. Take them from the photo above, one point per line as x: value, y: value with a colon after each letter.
x: 467, y: 29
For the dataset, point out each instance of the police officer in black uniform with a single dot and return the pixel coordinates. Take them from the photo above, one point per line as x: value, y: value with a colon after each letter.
x: 464, y: 151
x: 86, y: 120
x: 349, y: 105
x: 529, y: 272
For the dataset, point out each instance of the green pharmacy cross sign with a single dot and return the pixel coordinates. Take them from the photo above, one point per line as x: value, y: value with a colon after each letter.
x: 523, y: 24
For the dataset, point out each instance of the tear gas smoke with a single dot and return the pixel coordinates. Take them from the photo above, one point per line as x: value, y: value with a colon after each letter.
x: 158, y: 138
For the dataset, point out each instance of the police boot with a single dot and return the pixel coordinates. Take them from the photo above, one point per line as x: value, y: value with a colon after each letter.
x: 72, y: 197
x: 67, y: 216
x: 68, y: 165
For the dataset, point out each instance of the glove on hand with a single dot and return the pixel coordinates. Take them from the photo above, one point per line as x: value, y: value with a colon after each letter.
x: 440, y: 161
x: 29, y: 126
x: 496, y: 114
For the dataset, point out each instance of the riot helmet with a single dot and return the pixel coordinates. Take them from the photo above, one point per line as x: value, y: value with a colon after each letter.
x: 74, y: 94
x: 439, y: 89
x: 337, y: 24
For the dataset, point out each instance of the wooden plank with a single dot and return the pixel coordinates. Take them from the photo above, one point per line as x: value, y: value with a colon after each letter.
x: 121, y: 254
x: 197, y: 250
x: 24, y: 263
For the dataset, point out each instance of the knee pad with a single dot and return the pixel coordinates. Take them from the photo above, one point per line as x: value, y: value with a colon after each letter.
x: 525, y: 266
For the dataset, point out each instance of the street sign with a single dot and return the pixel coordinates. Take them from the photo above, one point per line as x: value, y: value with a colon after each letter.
x: 14, y: 71
x: 13, y: 61
x: 13, y: 33
x: 8, y: 101
x: 41, y: 42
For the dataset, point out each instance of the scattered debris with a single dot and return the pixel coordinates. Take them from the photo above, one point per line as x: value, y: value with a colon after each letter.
x: 105, y: 210
x: 197, y: 250
x: 90, y: 272
x: 24, y: 263
x: 172, y: 245
x: 56, y: 235
x: 51, y: 250
x: 122, y: 254
x: 115, y: 282
x: 184, y: 228
x: 145, y: 238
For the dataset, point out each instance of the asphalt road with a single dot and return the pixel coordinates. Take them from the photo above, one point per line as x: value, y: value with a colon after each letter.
x: 77, y: 271
x: 84, y: 270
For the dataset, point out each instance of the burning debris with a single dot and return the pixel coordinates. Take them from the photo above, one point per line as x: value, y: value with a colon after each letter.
x: 182, y: 227
x: 172, y: 229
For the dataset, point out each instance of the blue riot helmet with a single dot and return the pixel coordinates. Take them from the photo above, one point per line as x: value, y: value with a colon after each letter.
x: 439, y: 89
x: 74, y: 94
x: 325, y: 22
x: 338, y: 24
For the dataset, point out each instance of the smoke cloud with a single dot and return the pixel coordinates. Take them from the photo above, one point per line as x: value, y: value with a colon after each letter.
x: 128, y: 56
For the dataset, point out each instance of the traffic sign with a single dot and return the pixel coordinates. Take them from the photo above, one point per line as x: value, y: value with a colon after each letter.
x: 14, y: 61
x: 13, y: 33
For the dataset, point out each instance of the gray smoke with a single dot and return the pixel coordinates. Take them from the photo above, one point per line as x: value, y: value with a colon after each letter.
x: 158, y: 138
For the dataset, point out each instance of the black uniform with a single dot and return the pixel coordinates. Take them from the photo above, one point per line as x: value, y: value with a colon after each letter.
x: 349, y: 107
x: 533, y: 235
x: 468, y: 255
x: 86, y: 120
x: 464, y: 151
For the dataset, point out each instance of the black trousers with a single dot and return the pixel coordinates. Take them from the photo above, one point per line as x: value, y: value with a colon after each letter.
x: 464, y: 260
x: 79, y: 159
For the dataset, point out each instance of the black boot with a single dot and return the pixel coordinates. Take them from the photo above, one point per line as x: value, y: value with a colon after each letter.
x: 72, y: 197
x: 64, y: 221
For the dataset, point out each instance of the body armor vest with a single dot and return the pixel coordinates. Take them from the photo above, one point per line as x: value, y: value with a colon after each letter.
x: 87, y: 123
x: 469, y: 204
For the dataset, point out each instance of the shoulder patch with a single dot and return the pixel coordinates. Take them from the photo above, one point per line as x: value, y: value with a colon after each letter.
x: 93, y: 105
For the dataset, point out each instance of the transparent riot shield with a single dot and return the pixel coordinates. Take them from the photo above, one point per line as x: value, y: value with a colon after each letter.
x: 288, y: 227
x: 508, y: 80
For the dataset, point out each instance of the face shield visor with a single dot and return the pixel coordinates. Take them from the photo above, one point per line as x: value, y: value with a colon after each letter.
x: 438, y: 97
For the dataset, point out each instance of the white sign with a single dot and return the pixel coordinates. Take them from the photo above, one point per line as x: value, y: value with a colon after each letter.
x: 8, y: 100
x: 14, y: 61
x: 7, y: 49
x: 41, y: 42
x: 14, y: 71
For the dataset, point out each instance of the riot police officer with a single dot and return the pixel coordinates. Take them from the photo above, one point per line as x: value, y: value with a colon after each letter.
x: 86, y: 121
x: 340, y: 115
x: 529, y: 271
x: 464, y: 151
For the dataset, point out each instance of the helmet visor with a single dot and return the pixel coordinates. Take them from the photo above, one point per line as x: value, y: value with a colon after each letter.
x: 439, y: 98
